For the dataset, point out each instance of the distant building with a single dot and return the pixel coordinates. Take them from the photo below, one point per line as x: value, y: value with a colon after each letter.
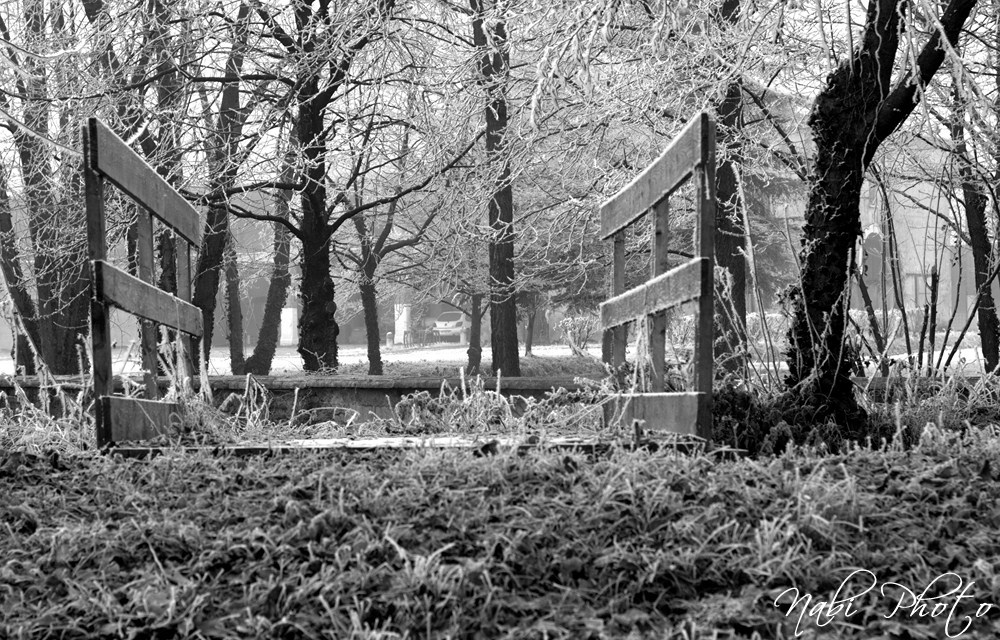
x: 926, y: 219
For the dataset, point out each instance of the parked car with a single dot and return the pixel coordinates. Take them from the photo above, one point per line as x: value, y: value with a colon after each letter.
x: 450, y: 324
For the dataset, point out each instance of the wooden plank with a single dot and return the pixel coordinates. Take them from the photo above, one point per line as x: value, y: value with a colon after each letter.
x: 704, y: 338
x: 659, y: 179
x: 681, y: 445
x: 613, y: 340
x: 658, y: 321
x: 705, y: 184
x: 480, y: 445
x: 675, y: 287
x: 619, y: 333
x: 100, y: 327
x: 147, y: 330
x: 185, y: 365
x: 145, y: 300
x: 439, y: 442
x: 132, y: 174
x: 670, y: 412
x: 135, y: 419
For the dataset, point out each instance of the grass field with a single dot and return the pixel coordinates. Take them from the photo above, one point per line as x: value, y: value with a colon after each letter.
x: 895, y: 542
x: 426, y: 544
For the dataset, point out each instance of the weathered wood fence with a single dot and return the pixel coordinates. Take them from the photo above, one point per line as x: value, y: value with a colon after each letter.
x: 691, y: 154
x: 108, y: 159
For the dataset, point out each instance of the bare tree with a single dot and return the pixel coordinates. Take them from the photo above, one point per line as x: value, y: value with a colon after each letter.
x: 224, y: 156
x: 859, y: 107
x: 975, y: 201
x: 494, y: 66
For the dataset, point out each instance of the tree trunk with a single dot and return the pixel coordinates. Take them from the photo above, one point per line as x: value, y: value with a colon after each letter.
x: 166, y: 247
x: 234, y: 313
x: 831, y: 229
x: 167, y: 250
x: 854, y: 113
x: 208, y: 270
x: 13, y: 275
x: 61, y: 285
x: 36, y: 172
x: 730, y: 237
x: 369, y: 297
x: 494, y: 66
x: 529, y: 331
x: 979, y: 236
x: 318, y: 328
x: 475, y: 350
x: 369, y: 303
x: 259, y: 363
x: 503, y: 305
x: 226, y: 139
x: 24, y: 356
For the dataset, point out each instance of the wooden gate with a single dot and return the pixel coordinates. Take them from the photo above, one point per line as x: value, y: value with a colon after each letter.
x: 108, y: 158
x: 691, y: 154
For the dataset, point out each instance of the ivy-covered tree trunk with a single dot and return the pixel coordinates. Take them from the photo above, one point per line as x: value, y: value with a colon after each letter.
x: 730, y: 237
x: 817, y: 367
x: 855, y: 112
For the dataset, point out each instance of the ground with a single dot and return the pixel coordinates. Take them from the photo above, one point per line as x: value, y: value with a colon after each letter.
x: 353, y: 359
x: 545, y: 545
x: 491, y: 542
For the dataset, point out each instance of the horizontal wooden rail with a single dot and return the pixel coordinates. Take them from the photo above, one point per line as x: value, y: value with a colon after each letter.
x: 115, y: 160
x: 675, y: 287
x: 144, y: 300
x: 477, y: 447
x: 677, y: 411
x: 657, y: 182
x: 135, y: 419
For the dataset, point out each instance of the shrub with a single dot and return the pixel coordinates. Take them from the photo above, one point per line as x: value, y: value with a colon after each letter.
x: 579, y: 331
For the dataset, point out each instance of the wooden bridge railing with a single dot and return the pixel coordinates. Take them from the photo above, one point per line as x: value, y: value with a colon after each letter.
x: 108, y: 158
x: 691, y: 154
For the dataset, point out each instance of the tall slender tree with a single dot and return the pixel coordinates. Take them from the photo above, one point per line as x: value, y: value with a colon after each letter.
x: 974, y: 200
x: 223, y: 153
x: 492, y: 46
